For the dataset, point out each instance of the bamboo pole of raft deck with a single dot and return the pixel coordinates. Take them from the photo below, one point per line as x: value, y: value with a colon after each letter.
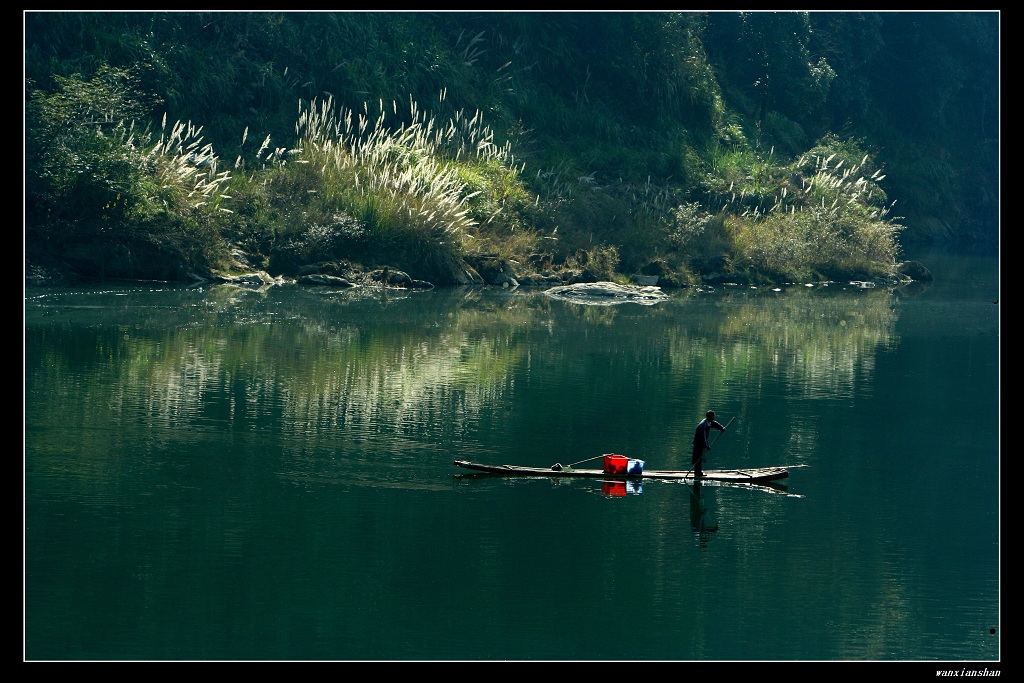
x: 773, y: 467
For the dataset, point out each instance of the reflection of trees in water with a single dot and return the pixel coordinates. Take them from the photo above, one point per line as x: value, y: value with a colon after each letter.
x: 303, y: 363
x: 425, y: 367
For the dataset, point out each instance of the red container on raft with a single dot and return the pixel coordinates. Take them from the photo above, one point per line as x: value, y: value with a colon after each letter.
x: 615, y: 464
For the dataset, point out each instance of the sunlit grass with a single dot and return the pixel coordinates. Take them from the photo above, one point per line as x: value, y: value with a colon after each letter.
x: 186, y: 168
x: 403, y: 175
x: 421, y: 189
x: 824, y: 215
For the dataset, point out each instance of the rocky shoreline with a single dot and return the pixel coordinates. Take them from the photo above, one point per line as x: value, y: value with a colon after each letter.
x: 566, y: 283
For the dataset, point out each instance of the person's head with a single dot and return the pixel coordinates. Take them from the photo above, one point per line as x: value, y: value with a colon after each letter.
x: 710, y: 415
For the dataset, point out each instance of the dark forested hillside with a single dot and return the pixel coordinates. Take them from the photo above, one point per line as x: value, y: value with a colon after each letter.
x: 649, y: 136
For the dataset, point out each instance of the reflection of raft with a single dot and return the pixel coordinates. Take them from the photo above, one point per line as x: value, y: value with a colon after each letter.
x: 607, y: 293
x: 749, y: 475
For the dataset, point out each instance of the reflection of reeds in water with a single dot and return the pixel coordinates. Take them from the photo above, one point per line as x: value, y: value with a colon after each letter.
x: 820, y: 342
x: 340, y: 368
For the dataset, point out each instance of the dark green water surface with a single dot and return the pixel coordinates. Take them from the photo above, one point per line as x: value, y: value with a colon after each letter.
x: 216, y: 473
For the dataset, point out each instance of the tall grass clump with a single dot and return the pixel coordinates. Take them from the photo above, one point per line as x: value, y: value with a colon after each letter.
x: 185, y: 170
x: 824, y: 215
x: 419, y: 188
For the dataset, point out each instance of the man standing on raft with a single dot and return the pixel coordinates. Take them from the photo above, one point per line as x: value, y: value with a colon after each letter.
x: 701, y: 443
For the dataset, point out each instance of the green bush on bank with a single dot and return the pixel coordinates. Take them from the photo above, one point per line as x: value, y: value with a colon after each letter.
x: 102, y: 196
x: 823, y: 216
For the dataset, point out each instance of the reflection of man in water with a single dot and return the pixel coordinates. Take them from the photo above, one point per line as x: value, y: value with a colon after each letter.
x: 697, y: 512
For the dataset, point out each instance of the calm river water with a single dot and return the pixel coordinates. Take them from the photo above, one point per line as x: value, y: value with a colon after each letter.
x: 221, y: 473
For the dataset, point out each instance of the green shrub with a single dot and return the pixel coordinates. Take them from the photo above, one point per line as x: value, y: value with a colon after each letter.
x: 103, y: 197
x: 700, y: 238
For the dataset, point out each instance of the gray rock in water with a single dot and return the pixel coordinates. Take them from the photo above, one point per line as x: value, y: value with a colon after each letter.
x: 322, y: 280
x: 259, y: 278
x: 608, y: 294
